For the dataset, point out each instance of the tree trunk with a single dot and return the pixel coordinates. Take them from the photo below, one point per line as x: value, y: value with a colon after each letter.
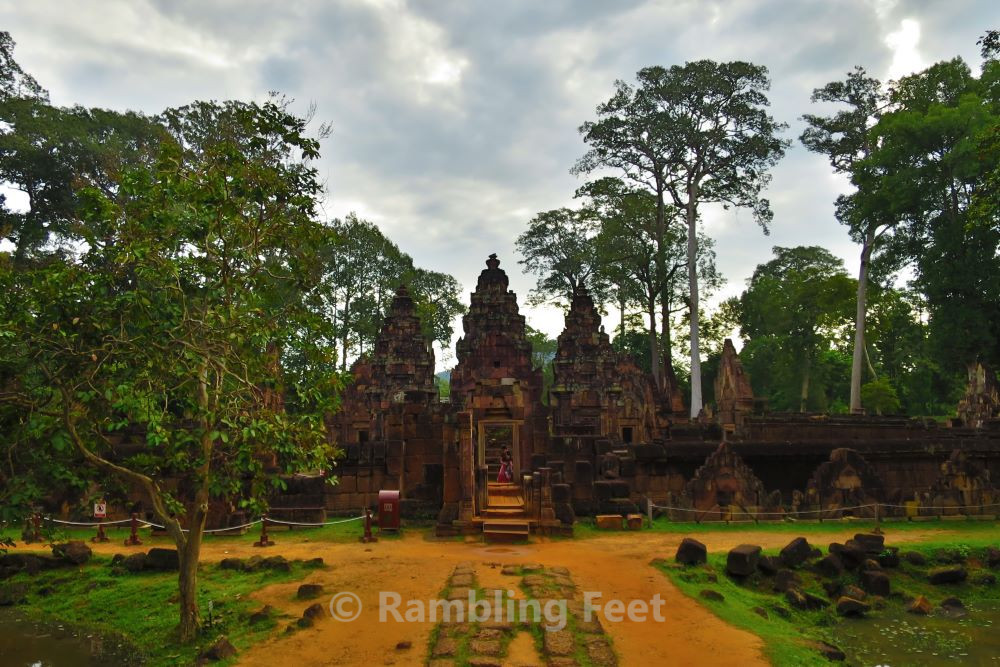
x: 661, y: 268
x: 804, y: 395
x: 189, y: 545
x: 621, y: 315
x: 654, y: 352
x: 692, y: 262
x: 188, y: 588
x: 666, y: 353
x: 857, y: 365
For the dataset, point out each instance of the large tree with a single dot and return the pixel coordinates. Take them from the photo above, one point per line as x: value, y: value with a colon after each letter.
x: 558, y: 247
x: 631, y: 259
x: 364, y: 269
x: 696, y: 134
x: 158, y: 357
x: 438, y: 303
x: 14, y: 81
x: 930, y: 170
x: 796, y: 306
x: 845, y: 138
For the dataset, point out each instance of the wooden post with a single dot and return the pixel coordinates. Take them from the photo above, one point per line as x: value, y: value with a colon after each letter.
x: 100, y: 537
x: 368, y: 537
x: 133, y: 538
x: 878, y: 520
x: 265, y: 540
x: 36, y: 527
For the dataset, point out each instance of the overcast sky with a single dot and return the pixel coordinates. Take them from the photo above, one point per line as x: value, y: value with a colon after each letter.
x: 456, y: 121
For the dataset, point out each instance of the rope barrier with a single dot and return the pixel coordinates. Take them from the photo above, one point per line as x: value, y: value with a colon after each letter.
x: 792, y: 513
x: 151, y: 524
x: 941, y: 507
x: 207, y: 530
x: 81, y: 523
x: 788, y: 513
x: 299, y: 523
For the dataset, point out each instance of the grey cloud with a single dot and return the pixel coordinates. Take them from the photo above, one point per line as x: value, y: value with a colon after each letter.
x: 453, y: 171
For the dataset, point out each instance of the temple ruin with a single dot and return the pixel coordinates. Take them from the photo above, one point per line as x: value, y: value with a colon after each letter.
x: 606, y: 440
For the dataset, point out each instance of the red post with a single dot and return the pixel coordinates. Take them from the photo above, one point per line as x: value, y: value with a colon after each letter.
x: 368, y: 537
x: 264, y: 540
x: 100, y: 537
x: 133, y: 539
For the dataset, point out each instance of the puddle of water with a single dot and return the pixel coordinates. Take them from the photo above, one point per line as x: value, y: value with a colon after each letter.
x: 26, y: 643
x: 899, y: 638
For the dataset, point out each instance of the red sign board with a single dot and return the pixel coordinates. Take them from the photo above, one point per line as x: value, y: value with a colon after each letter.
x: 100, y: 510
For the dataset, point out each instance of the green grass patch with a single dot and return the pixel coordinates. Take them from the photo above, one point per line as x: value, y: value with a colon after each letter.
x: 585, y: 527
x: 788, y: 632
x: 785, y: 639
x: 143, y: 607
x: 350, y: 531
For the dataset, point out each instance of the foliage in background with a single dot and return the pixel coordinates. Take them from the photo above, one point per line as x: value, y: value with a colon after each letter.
x: 879, y: 397
x: 543, y: 352
x: 691, y: 134
x: 559, y: 247
x: 363, y: 270
x: 793, y: 315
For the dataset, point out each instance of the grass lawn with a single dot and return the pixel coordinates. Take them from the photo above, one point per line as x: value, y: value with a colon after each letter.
x: 585, y: 527
x: 348, y: 531
x: 788, y: 632
x: 142, y: 607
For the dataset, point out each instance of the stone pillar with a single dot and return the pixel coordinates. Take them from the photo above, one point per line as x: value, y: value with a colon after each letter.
x: 466, y: 467
x: 547, y: 510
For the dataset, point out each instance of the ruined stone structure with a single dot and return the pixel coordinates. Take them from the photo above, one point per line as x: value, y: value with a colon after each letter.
x: 847, y: 480
x: 598, y: 393
x: 964, y: 486
x: 726, y: 487
x: 733, y: 394
x: 607, y: 440
x: 981, y: 403
x: 391, y: 424
x: 495, y: 381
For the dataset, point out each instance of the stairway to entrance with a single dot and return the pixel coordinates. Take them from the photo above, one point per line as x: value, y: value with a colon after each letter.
x: 504, y: 519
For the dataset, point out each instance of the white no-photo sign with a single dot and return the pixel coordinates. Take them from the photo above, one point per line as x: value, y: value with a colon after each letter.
x: 100, y: 510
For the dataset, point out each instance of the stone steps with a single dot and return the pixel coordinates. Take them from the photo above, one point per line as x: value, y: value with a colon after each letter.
x: 506, y: 530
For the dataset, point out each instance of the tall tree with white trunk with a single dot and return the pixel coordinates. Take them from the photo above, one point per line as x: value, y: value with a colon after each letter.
x: 845, y: 138
x: 695, y: 134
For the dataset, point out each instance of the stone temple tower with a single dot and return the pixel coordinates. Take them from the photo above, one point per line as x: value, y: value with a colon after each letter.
x: 494, y: 381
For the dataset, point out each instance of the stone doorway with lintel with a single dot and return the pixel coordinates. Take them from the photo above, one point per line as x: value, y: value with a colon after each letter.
x: 503, y: 510
x: 494, y: 436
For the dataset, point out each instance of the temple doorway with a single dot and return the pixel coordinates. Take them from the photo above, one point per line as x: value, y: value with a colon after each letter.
x: 494, y: 438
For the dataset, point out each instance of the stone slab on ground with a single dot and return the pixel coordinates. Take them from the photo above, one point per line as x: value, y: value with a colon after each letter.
x: 609, y: 521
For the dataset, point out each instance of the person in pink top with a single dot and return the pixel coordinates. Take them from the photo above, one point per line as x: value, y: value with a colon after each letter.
x: 506, y: 474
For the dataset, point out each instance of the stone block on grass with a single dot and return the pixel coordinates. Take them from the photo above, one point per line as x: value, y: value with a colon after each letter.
x: 948, y: 575
x: 796, y: 552
x: 742, y: 560
x: 847, y: 606
x: 609, y: 521
x: 875, y: 582
x: 691, y: 552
